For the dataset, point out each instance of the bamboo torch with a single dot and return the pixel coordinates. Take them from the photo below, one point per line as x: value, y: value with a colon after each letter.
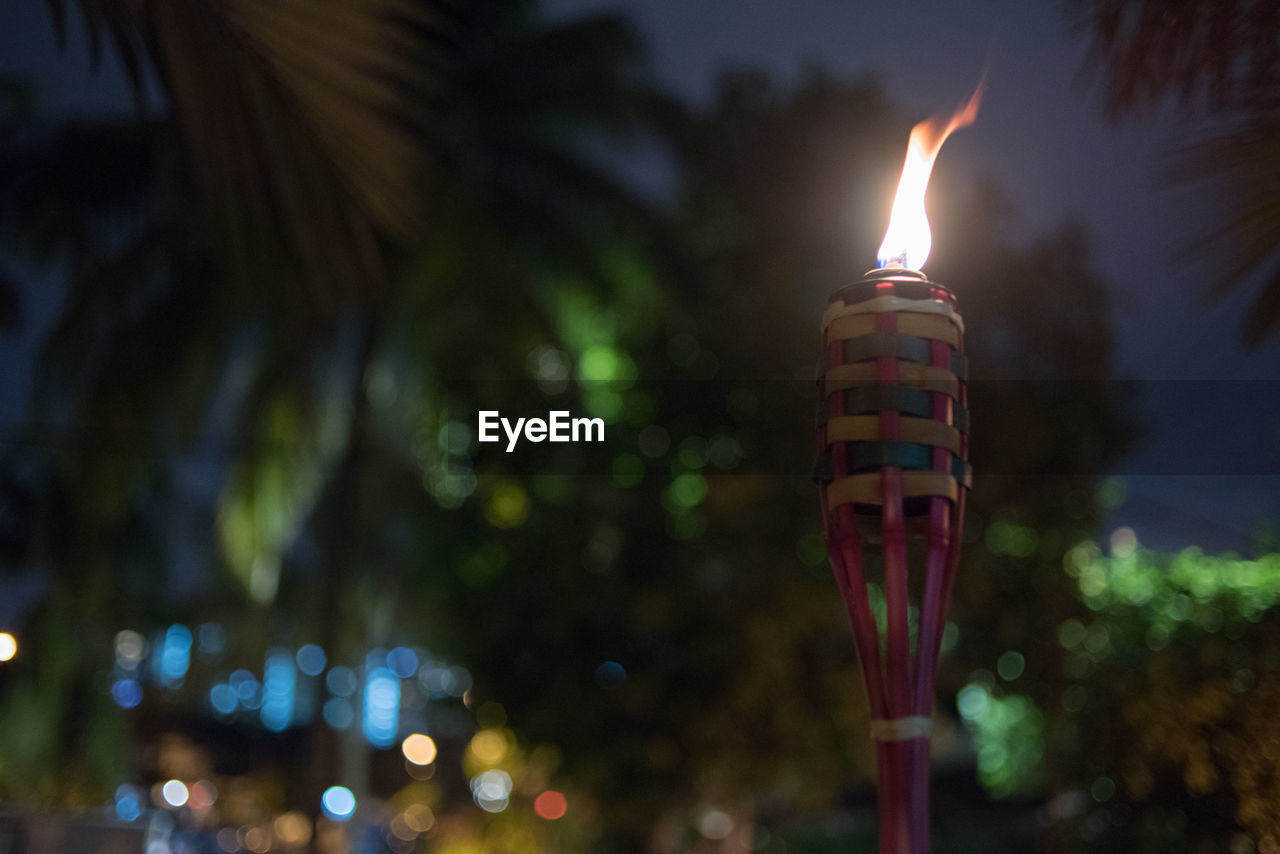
x: 892, y: 475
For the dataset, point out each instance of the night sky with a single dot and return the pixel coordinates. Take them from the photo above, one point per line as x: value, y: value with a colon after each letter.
x: 1041, y: 137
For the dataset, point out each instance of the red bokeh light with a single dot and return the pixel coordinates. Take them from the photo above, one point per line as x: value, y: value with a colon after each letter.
x: 551, y: 805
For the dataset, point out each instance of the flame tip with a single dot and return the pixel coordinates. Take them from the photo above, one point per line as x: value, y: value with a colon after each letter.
x: 908, y: 239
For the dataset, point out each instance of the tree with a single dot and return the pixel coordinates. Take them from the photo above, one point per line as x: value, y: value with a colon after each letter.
x: 1220, y: 59
x: 264, y: 373
x: 1173, y: 661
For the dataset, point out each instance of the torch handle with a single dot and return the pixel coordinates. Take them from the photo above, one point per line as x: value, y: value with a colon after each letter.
x: 893, y: 443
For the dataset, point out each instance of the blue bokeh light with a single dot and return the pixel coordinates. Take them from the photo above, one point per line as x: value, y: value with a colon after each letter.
x: 338, y: 803
x: 381, y: 717
x: 338, y: 713
x: 341, y: 681
x: 223, y: 698
x: 212, y: 639
x: 311, y: 659
x: 248, y: 692
x: 126, y: 692
x: 128, y: 803
x: 279, y: 683
x: 175, y: 655
x: 403, y: 662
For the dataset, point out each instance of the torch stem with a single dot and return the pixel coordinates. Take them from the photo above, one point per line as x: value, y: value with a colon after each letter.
x: 884, y: 318
x: 896, y: 834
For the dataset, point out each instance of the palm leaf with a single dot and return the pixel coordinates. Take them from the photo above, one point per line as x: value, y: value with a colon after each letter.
x: 300, y: 119
x: 1243, y: 163
x: 1224, y: 52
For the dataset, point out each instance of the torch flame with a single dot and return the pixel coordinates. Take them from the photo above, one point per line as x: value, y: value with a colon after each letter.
x: 908, y: 239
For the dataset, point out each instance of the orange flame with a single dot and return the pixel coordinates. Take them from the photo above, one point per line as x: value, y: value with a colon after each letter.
x: 908, y: 238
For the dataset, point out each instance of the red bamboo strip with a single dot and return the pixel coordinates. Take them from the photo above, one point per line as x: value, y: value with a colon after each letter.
x: 932, y: 618
x: 844, y: 550
x: 896, y: 594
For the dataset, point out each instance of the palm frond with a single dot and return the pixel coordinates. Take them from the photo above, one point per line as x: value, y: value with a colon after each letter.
x: 1223, y: 53
x: 301, y: 121
x: 1245, y: 248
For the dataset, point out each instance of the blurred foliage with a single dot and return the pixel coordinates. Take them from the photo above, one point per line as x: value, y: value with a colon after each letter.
x: 1222, y: 60
x: 1171, y: 673
x: 1219, y: 54
x: 301, y: 123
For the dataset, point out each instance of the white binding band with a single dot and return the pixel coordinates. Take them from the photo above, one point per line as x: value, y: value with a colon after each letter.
x: 901, y: 729
x: 892, y: 303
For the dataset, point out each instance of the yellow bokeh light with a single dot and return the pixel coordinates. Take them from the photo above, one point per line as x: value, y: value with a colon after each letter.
x: 508, y: 505
x: 489, y: 746
x: 292, y: 828
x: 419, y: 817
x: 8, y: 646
x: 401, y: 830
x: 257, y: 840
x: 419, y: 749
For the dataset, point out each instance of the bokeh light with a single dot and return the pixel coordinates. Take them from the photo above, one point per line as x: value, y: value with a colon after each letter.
x: 8, y: 646
x: 175, y: 793
x: 491, y: 790
x: 223, y: 698
x: 381, y: 707
x: 419, y: 749
x: 175, y: 655
x: 201, y: 795
x: 1006, y: 538
x: 227, y: 840
x: 508, y: 505
x: 292, y: 828
x: 1008, y: 733
x: 130, y: 647
x: 211, y: 639
x: 257, y: 840
x: 685, y: 491
x: 1011, y: 665
x: 127, y: 693
x: 338, y: 713
x: 311, y: 659
x: 715, y: 824
x: 402, y: 661
x: 419, y: 818
x: 550, y: 805
x: 248, y: 691
x: 128, y: 803
x: 488, y: 746
x: 341, y: 681
x: 279, y: 680
x: 1124, y: 543
x: 338, y: 803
